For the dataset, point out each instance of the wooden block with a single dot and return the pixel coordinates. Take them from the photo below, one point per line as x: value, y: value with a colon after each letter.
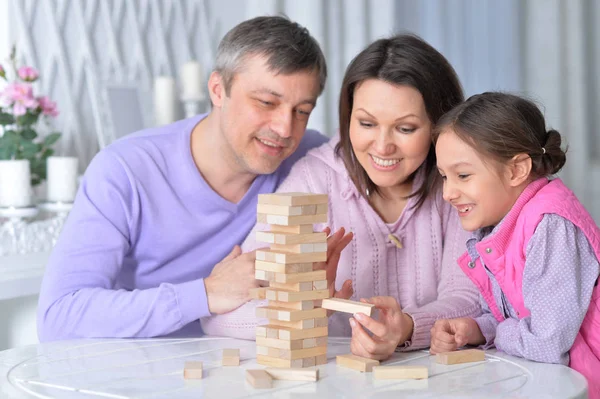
x: 273, y: 334
x: 231, y: 357
x: 300, y: 248
x: 264, y: 275
x: 278, y: 267
x: 192, y: 370
x: 292, y: 199
x: 291, y: 220
x: 289, y: 315
x: 344, y: 305
x: 290, y: 354
x: 268, y: 255
x: 283, y: 210
x: 290, y: 238
x: 321, y: 322
x: 291, y: 296
x: 463, y: 356
x: 321, y: 359
x: 261, y: 331
x: 300, y: 229
x: 295, y: 374
x: 400, y: 372
x: 258, y: 293
x: 297, y: 287
x: 293, y: 333
x: 270, y: 361
x: 354, y: 362
x: 300, y: 277
x: 319, y: 285
x: 308, y: 361
x: 259, y: 379
x: 300, y: 305
x: 322, y: 208
x: 279, y: 343
x: 298, y: 325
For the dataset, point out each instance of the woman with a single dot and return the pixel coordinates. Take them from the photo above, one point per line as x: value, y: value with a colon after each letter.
x: 383, y: 186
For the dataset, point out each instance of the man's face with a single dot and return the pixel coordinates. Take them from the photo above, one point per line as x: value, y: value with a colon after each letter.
x: 265, y: 115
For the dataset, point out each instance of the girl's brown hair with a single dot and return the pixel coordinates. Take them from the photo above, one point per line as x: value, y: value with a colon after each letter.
x: 503, y: 125
x: 403, y: 60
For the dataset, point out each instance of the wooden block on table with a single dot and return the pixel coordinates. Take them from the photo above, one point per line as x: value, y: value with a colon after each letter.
x: 347, y: 306
x: 321, y: 359
x: 400, y: 372
x: 291, y: 220
x: 293, y: 333
x: 300, y: 305
x: 192, y: 370
x: 295, y: 374
x: 300, y: 248
x: 298, y: 324
x: 291, y: 296
x: 259, y: 379
x: 289, y: 268
x: 299, y: 229
x: 231, y: 357
x: 289, y: 315
x: 279, y: 343
x: 290, y: 354
x: 270, y: 361
x: 308, y: 362
x: 268, y: 255
x: 356, y: 362
x: 291, y: 278
x: 258, y: 293
x: 290, y: 238
x: 462, y: 356
x: 292, y: 199
x: 297, y: 287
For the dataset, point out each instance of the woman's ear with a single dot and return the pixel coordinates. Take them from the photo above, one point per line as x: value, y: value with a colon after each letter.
x: 519, y: 169
x: 216, y: 89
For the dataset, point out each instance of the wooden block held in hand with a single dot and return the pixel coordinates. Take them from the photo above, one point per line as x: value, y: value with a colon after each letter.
x: 300, y: 277
x: 292, y: 199
x: 463, y: 356
x: 258, y: 293
x: 268, y: 255
x: 294, y: 374
x: 354, y: 362
x: 300, y: 305
x: 276, y: 267
x: 231, y: 357
x: 291, y: 238
x: 347, y: 306
x: 289, y: 315
x: 400, y: 372
x: 299, y: 229
x: 192, y: 370
x: 259, y: 379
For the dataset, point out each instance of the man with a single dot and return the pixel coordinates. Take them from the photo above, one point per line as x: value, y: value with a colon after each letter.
x: 147, y: 249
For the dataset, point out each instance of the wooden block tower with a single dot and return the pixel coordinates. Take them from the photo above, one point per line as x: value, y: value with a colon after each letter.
x: 296, y: 335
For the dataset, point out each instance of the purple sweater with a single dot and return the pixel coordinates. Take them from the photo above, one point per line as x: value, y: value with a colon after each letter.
x: 423, y: 275
x: 144, y: 232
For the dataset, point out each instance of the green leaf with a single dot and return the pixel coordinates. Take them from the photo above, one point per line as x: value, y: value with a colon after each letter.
x: 29, y: 134
x: 51, y: 139
x: 6, y: 119
x: 35, y: 181
x: 29, y: 150
x: 47, y: 152
x: 12, y: 137
x: 5, y: 153
x: 28, y: 119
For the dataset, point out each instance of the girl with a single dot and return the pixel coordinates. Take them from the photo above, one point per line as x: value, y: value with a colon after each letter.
x: 535, y: 249
x: 381, y: 179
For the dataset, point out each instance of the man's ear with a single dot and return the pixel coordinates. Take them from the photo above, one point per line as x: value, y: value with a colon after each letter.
x: 216, y: 89
x: 519, y: 169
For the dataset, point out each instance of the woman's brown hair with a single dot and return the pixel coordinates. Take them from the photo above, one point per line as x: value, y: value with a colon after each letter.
x: 403, y: 60
x: 503, y: 125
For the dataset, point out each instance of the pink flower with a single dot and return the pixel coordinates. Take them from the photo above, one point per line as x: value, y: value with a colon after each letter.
x: 48, y: 106
x: 28, y: 74
x: 20, y: 96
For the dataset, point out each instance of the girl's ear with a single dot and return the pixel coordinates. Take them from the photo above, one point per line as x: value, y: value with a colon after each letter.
x: 216, y: 90
x: 519, y: 169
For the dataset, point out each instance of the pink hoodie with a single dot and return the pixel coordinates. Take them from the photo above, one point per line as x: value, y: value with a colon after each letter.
x: 423, y: 275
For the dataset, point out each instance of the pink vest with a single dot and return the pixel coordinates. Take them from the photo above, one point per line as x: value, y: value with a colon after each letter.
x: 504, y: 254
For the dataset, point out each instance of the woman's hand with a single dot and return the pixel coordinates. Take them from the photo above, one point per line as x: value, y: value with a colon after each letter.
x: 450, y: 334
x: 391, y: 328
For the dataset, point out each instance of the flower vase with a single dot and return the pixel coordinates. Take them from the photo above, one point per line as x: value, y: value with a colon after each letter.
x: 15, y: 183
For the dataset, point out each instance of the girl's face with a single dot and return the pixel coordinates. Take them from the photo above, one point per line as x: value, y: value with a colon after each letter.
x: 478, y: 188
x: 390, y: 131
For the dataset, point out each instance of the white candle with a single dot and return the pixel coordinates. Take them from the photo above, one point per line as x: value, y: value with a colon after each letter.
x: 165, y: 100
x: 62, y: 173
x: 192, y: 77
x: 15, y: 183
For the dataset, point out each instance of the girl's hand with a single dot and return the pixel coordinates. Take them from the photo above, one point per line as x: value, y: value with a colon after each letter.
x: 392, y: 327
x: 450, y: 334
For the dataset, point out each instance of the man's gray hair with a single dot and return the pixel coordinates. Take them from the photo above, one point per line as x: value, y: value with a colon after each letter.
x: 288, y: 47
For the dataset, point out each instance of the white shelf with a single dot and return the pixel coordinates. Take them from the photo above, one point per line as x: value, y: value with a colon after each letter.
x: 21, y: 275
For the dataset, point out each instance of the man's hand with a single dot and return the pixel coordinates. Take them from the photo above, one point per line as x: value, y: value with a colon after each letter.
x: 450, y: 334
x: 392, y: 327
x: 335, y: 245
x: 228, y: 285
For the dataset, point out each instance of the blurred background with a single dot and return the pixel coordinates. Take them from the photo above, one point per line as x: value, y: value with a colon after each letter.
x: 548, y: 50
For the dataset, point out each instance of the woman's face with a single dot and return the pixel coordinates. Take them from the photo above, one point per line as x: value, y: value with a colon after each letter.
x: 390, y: 131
